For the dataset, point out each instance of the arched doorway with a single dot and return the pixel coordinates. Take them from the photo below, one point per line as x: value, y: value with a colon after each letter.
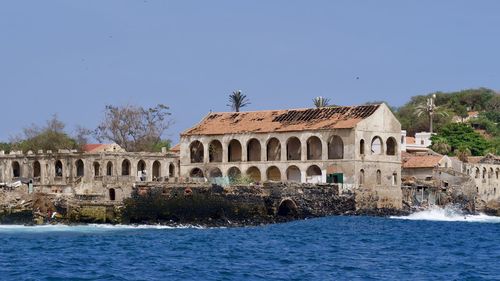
x: 196, y: 173
x: 171, y: 170
x: 234, y: 151
x: 253, y: 150
x: 197, y: 152
x: 293, y: 174
x: 314, y: 174
x: 58, y: 167
x: 126, y: 168
x: 112, y: 194
x: 80, y: 168
x: 273, y: 150
x: 215, y: 173
x: 156, y: 170
x: 37, y: 170
x: 287, y: 208
x: 141, y: 170
x: 293, y: 149
x: 234, y: 174
x: 16, y: 169
x: 335, y: 148
x: 97, y: 169
x: 273, y: 174
x: 391, y: 146
x: 109, y: 169
x: 215, y: 151
x: 254, y: 174
x: 376, y: 146
x: 314, y: 148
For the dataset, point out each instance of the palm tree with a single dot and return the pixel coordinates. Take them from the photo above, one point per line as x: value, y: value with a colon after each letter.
x: 430, y: 109
x: 441, y: 146
x: 320, y: 102
x: 462, y: 152
x: 237, y: 100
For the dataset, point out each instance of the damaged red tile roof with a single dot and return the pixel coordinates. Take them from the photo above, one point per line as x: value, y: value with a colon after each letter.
x: 427, y: 161
x: 176, y: 148
x: 91, y: 147
x: 267, y: 121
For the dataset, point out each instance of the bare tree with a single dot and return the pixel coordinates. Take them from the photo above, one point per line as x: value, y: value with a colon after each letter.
x: 134, y: 128
x: 237, y: 100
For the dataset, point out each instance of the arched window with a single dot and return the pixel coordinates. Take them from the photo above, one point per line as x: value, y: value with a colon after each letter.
x: 234, y: 151
x: 16, y: 169
x: 477, y: 173
x: 215, y: 151
x: 254, y: 174
x: 335, y: 148
x: 394, y: 179
x: 196, y: 152
x: 273, y: 174
x: 97, y: 169
x: 37, y: 169
x: 112, y: 194
x: 196, y: 173
x: 379, y: 177
x: 273, y: 150
x: 171, y: 170
x: 80, y: 168
x: 156, y: 170
x: 490, y: 174
x: 484, y: 173
x: 58, y: 168
x: 109, y: 169
x: 293, y: 174
x: 293, y: 149
x: 497, y: 173
x: 362, y: 147
x: 253, y: 150
x: 376, y: 146
x: 126, y: 168
x: 361, y: 177
x: 391, y: 146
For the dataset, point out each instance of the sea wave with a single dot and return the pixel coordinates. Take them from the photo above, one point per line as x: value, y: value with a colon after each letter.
x: 449, y: 214
x: 88, y: 227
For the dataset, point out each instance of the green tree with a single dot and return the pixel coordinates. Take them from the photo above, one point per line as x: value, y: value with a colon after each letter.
x: 441, y: 146
x: 462, y: 152
x: 237, y: 100
x: 320, y: 102
x: 459, y: 135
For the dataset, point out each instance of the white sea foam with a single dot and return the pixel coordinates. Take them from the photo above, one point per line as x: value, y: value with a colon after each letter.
x: 86, y: 228
x: 448, y: 214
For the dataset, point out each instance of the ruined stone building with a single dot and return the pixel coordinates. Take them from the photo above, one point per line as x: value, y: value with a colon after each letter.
x: 485, y: 170
x: 355, y: 146
x: 105, y: 174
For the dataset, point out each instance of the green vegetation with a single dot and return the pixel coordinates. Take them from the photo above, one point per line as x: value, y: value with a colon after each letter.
x: 473, y: 136
x: 237, y: 100
x: 320, y: 102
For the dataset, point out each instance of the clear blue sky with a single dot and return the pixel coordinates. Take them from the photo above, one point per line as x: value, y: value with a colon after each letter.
x: 74, y: 57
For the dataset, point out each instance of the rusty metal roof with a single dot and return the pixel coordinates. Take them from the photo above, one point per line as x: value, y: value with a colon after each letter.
x: 267, y: 121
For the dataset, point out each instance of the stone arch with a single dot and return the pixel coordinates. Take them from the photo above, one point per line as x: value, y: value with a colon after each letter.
x: 361, y: 177
x: 379, y: 177
x: 314, y: 148
x: 314, y: 174
x: 476, y: 175
x: 391, y: 146
x: 196, y: 173
x: 141, y: 170
x: 293, y: 174
x: 484, y: 173
x: 234, y: 174
x: 58, y: 168
x: 254, y: 174
x: 37, y: 169
x: 109, y: 168
x: 112, y: 194
x: 253, y: 150
x: 156, y: 170
x: 293, y: 148
x: 287, y: 208
x: 273, y: 174
x: 16, y: 169
x: 171, y: 170
x: 196, y: 152
x: 80, y: 168
x: 215, y: 151
x: 215, y: 173
x: 234, y: 151
x: 125, y: 167
x: 335, y: 147
x: 97, y: 169
x: 362, y: 147
x: 273, y: 149
x: 377, y: 146
x: 490, y: 174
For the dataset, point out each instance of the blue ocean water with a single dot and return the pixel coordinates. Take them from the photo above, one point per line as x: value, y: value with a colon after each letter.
x: 427, y: 246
